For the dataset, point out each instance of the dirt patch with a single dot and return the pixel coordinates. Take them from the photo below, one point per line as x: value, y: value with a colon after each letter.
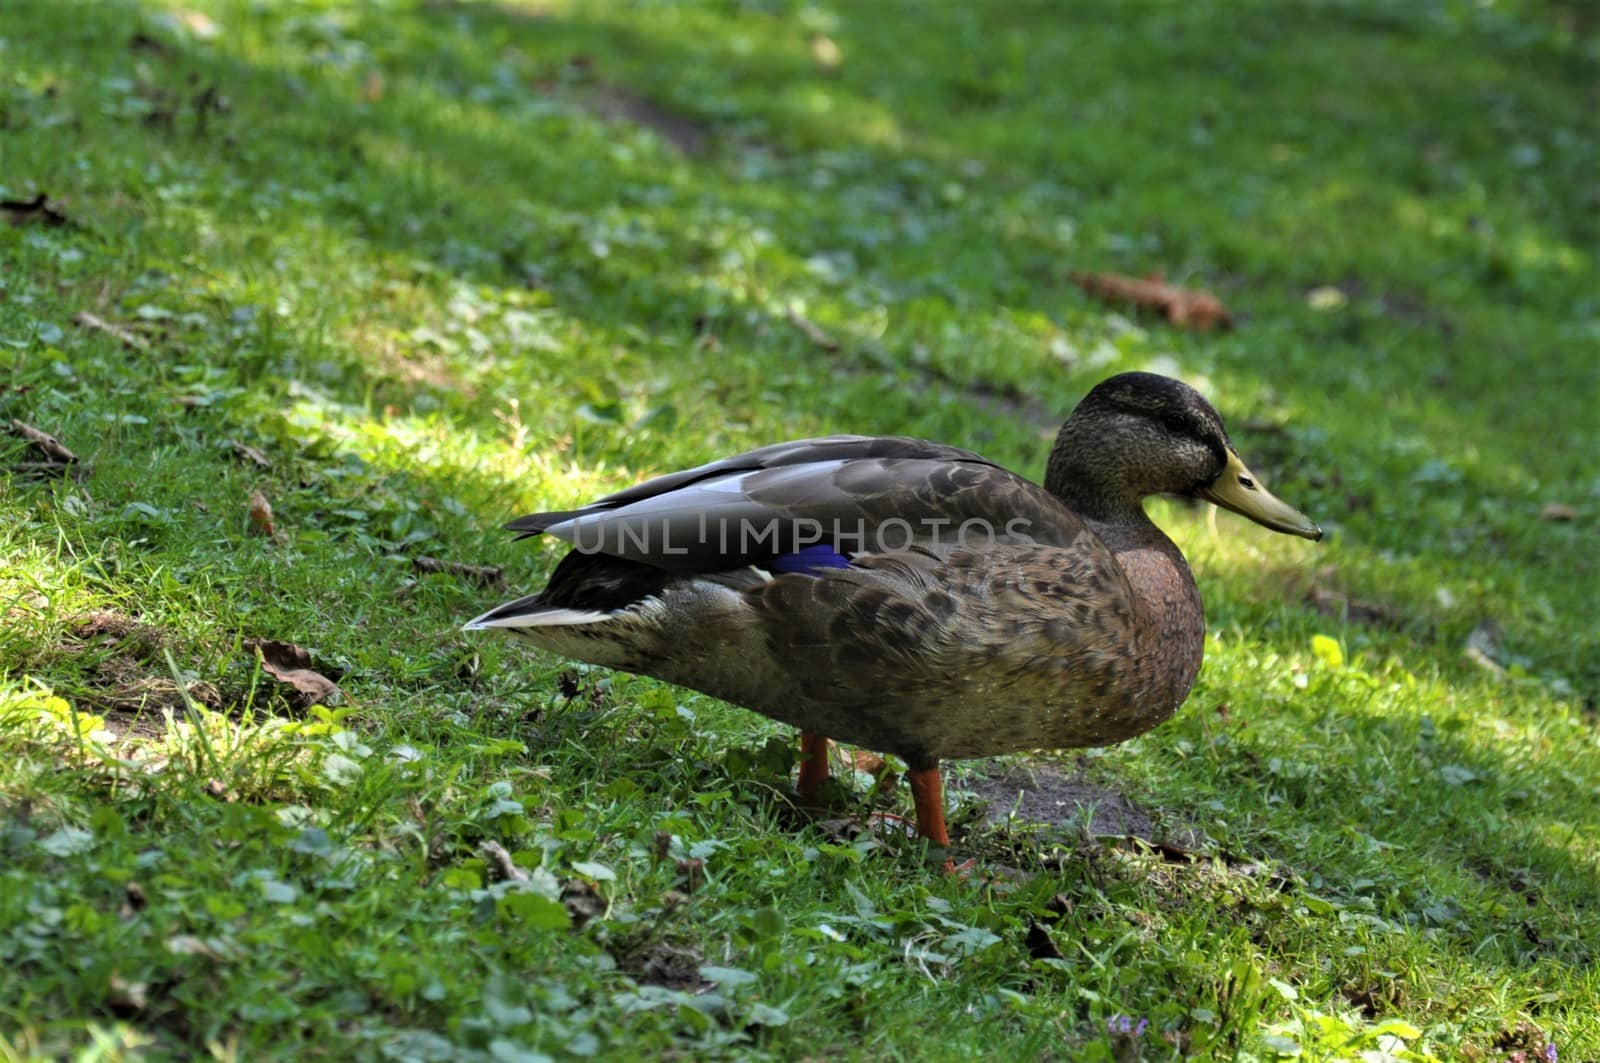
x: 617, y: 104
x: 110, y: 629
x: 126, y: 678
x: 665, y: 964
x: 1040, y: 793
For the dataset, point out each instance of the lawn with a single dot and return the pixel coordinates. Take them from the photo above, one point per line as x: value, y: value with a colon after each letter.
x: 398, y: 273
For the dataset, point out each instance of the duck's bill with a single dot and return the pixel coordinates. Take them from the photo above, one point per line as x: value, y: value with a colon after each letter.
x: 1238, y: 489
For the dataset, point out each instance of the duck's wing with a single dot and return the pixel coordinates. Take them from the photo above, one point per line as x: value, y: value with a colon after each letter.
x: 841, y: 495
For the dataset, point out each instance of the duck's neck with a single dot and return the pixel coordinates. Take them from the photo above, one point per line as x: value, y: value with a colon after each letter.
x: 1094, y: 482
x: 1173, y: 629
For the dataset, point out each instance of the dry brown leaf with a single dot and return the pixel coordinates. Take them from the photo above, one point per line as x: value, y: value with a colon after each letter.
x: 127, y: 999
x: 291, y: 665
x: 1190, y: 308
x: 584, y: 902
x: 1060, y: 905
x: 693, y: 870
x: 1558, y: 511
x: 251, y: 454
x: 137, y: 901
x: 1041, y: 946
x: 865, y: 760
x: 44, y: 444
x: 842, y: 829
x: 499, y: 860
x: 261, y: 515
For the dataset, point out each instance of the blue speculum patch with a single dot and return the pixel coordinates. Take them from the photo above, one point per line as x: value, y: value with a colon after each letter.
x: 808, y: 561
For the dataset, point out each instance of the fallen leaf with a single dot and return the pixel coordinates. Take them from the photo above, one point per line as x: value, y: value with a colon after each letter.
x: 137, y: 901
x: 37, y: 209
x: 500, y: 861
x: 1189, y: 308
x: 865, y: 760
x: 251, y: 454
x: 489, y: 576
x: 261, y: 515
x: 583, y: 901
x: 291, y: 664
x: 693, y: 870
x: 841, y: 830
x: 44, y: 443
x: 129, y: 339
x: 1558, y: 511
x: 127, y: 999
x: 1041, y: 946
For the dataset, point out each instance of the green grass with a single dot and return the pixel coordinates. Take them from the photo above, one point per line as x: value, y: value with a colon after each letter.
x: 405, y: 254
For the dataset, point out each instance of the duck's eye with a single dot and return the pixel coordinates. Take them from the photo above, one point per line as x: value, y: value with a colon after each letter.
x: 1247, y: 483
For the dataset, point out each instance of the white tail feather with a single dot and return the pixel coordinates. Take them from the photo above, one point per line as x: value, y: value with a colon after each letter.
x: 543, y: 618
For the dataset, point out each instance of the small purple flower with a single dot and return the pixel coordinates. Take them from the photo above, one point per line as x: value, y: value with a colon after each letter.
x: 1124, y: 1025
x: 1550, y: 1052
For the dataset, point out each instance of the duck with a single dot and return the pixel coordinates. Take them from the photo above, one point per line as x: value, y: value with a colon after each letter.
x: 907, y: 596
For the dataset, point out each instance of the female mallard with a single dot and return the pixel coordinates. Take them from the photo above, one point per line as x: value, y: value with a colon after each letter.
x: 909, y: 596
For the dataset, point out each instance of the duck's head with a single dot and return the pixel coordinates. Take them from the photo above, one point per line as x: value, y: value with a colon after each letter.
x: 1139, y: 434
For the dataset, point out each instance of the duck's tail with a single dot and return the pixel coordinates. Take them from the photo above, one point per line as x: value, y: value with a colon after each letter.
x: 532, y: 611
x: 536, y: 523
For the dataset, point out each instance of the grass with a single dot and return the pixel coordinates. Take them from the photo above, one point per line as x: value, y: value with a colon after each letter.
x: 442, y: 264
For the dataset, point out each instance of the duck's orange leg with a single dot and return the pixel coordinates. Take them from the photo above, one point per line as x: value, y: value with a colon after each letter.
x: 813, y: 763
x: 927, y: 791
